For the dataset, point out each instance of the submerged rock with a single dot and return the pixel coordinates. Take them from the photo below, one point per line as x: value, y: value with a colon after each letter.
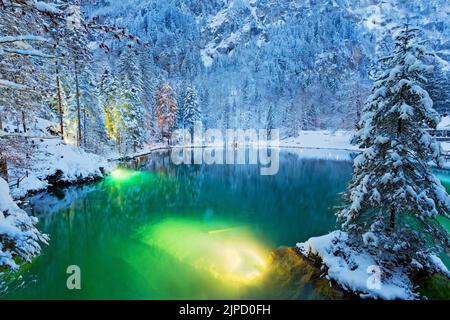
x: 293, y: 276
x: 436, y: 287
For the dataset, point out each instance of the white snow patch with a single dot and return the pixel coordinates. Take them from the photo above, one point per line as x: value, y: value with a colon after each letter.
x: 321, y: 139
x: 444, y: 124
x: 218, y: 19
x: 11, y: 85
x: 45, y: 7
x: 206, y: 58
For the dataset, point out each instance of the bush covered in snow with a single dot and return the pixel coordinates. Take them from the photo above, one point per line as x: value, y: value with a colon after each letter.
x: 19, y: 239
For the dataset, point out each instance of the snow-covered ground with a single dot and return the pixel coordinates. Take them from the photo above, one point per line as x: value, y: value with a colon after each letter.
x: 330, y: 145
x: 321, y: 139
x: 356, y: 270
x: 51, y: 156
x: 444, y: 124
x: 18, y: 231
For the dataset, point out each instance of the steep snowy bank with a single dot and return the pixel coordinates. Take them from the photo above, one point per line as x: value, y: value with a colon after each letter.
x: 54, y: 161
x: 356, y: 270
x: 44, y: 159
x: 19, y: 238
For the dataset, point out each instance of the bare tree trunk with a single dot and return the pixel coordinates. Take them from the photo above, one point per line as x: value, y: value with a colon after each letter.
x: 392, y: 220
x: 60, y: 111
x: 78, y: 105
x: 24, y: 125
x: 119, y: 143
x: 3, y: 168
x: 1, y: 123
x: 84, y: 127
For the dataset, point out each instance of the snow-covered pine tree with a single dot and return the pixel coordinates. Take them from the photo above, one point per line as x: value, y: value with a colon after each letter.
x: 94, y: 134
x: 393, y: 197
x: 166, y: 108
x: 270, y: 121
x: 132, y: 116
x: 109, y: 91
x: 439, y: 89
x: 309, y: 117
x: 25, y: 51
x: 191, y: 112
x: 179, y: 122
x: 132, y: 96
x: 79, y: 58
x: 149, y: 72
x: 292, y: 121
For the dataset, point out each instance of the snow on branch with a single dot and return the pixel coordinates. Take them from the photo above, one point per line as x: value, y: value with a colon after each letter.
x: 48, y: 8
x: 29, y: 53
x: 11, y: 85
x: 30, y: 37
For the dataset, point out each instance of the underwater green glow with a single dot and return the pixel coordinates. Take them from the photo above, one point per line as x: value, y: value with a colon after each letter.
x: 443, y: 176
x: 158, y: 231
x: 230, y: 254
x: 123, y: 174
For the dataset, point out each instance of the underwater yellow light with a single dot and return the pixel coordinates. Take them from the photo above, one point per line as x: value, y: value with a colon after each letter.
x: 229, y: 254
x: 122, y: 174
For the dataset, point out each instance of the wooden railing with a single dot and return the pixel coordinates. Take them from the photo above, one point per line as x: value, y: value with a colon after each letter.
x: 440, y: 134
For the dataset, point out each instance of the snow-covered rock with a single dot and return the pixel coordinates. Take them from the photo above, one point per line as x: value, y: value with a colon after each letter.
x: 355, y: 270
x: 19, y: 238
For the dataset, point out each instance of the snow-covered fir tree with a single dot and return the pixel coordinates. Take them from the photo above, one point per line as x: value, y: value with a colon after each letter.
x: 270, y: 121
x: 439, y: 89
x: 393, y: 196
x: 132, y: 116
x: 109, y: 90
x: 165, y: 110
x: 131, y: 94
x: 191, y: 109
x: 94, y: 134
x: 292, y: 121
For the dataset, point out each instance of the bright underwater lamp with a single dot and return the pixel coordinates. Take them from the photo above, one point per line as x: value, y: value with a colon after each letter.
x: 229, y: 254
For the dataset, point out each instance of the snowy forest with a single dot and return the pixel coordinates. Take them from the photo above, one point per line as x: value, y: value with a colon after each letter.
x: 84, y: 83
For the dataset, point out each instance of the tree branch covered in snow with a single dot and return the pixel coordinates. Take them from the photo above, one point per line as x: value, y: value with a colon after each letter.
x: 29, y: 53
x: 11, y: 85
x: 20, y: 38
x: 44, y: 7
